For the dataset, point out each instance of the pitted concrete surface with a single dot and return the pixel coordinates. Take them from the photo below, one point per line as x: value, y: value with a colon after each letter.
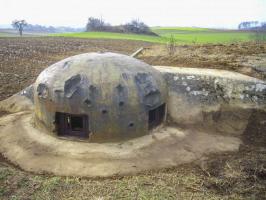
x: 220, y: 100
x: 114, y: 91
x: 35, y: 151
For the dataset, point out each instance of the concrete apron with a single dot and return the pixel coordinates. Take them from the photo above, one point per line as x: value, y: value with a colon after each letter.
x: 35, y: 151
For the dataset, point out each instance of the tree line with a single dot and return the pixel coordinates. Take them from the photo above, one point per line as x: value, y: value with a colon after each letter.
x: 94, y: 24
x: 22, y: 25
x: 134, y: 26
x: 252, y: 25
x: 258, y: 29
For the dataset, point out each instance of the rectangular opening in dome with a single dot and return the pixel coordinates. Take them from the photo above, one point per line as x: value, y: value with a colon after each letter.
x: 156, y: 116
x: 76, y: 123
x: 72, y: 125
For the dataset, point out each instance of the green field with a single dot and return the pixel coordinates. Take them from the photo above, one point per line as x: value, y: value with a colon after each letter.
x: 203, y: 35
x: 4, y: 34
x: 182, y: 35
x: 107, y: 35
x: 179, y: 29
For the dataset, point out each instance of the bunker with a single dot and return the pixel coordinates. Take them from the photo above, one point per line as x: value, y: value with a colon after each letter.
x: 100, y: 97
x: 107, y: 114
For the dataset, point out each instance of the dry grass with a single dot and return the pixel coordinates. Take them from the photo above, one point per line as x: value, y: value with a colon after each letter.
x: 230, y: 176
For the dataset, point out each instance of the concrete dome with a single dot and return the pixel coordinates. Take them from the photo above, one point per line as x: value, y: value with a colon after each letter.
x: 100, y: 97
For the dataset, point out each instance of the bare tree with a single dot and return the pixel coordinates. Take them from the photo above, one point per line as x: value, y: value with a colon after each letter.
x: 136, y: 26
x: 19, y: 25
x: 96, y: 24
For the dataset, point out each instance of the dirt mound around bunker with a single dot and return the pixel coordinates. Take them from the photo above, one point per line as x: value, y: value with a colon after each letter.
x: 36, y: 151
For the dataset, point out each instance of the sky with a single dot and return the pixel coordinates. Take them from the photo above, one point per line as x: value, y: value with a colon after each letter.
x: 199, y: 13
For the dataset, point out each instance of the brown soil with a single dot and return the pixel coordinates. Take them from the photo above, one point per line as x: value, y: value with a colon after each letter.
x: 22, y: 59
x: 246, y: 58
x: 2, y: 113
x: 239, y: 175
